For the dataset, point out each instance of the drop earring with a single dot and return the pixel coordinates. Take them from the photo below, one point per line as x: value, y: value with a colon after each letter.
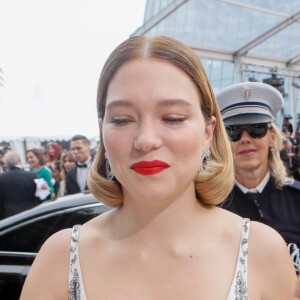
x: 205, y: 159
x: 109, y: 173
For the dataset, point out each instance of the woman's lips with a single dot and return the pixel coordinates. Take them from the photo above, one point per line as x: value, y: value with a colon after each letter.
x: 149, y: 167
x: 247, y: 152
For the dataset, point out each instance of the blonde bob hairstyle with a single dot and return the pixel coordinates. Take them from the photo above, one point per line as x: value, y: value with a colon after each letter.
x: 212, y: 186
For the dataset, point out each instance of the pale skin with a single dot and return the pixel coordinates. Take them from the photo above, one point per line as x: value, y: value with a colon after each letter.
x: 251, y: 158
x: 161, y: 244
x: 297, y: 290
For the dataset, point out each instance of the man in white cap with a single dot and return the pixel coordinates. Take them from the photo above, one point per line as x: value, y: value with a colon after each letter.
x: 262, y: 191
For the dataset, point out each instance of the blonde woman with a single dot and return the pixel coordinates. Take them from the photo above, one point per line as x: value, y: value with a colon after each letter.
x: 262, y: 190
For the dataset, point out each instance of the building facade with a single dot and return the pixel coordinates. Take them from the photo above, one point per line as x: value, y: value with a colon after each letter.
x: 237, y: 40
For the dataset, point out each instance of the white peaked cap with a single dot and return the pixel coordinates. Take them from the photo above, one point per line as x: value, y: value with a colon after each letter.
x: 249, y: 103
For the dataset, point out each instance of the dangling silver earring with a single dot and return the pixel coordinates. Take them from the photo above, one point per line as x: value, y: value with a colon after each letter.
x: 205, y: 159
x: 109, y: 173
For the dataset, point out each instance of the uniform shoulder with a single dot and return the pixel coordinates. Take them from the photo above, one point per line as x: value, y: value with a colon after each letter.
x: 295, y: 185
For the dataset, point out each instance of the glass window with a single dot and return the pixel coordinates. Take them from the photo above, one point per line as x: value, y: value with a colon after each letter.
x: 30, y: 237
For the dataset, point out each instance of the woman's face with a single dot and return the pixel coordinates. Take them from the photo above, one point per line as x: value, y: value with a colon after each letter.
x: 32, y: 159
x: 51, y: 150
x: 153, y: 129
x: 252, y: 154
x: 68, y: 164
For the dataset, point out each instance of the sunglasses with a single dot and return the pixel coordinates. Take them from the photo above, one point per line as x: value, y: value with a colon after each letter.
x: 256, y: 131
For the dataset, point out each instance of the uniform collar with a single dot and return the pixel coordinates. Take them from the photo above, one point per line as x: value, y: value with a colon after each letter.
x: 258, y: 189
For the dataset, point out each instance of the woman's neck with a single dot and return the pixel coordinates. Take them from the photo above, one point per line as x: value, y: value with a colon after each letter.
x: 163, y: 218
x: 250, y: 178
x: 38, y: 167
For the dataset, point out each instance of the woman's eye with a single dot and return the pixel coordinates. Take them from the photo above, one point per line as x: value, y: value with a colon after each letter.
x: 174, y: 120
x: 120, y: 121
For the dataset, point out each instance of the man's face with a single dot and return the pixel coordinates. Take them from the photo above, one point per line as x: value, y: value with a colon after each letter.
x: 80, y: 150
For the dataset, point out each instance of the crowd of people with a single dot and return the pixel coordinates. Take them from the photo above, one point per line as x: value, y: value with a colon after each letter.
x: 290, y: 152
x: 54, y: 172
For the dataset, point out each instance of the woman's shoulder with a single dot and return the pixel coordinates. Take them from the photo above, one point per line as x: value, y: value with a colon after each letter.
x: 267, y: 244
x: 50, y: 269
x: 55, y: 247
x: 44, y: 171
x: 270, y: 261
x: 264, y: 242
x: 59, y: 239
x: 266, y: 237
x: 98, y: 227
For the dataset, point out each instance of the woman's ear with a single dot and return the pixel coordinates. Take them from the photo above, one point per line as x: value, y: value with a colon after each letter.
x: 209, y: 131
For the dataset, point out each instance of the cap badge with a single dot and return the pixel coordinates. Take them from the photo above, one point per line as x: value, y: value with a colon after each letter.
x: 246, y: 93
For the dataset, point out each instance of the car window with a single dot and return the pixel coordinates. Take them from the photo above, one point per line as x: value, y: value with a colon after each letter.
x: 30, y: 236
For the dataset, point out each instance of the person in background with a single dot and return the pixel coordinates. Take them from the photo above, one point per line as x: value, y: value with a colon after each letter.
x: 67, y: 163
x: 76, y: 178
x: 56, y: 178
x: 287, y: 126
x: 297, y: 136
x: 54, y: 151
x: 263, y: 192
x: 17, y: 187
x: 288, y: 155
x: 296, y: 163
x: 36, y: 161
x: 3, y: 167
x: 162, y: 161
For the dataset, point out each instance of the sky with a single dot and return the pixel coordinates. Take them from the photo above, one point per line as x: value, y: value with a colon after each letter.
x: 51, y: 54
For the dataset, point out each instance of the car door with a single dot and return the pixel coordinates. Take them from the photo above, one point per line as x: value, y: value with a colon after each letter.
x: 20, y: 244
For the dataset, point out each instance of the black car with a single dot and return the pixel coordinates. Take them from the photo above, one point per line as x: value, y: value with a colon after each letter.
x: 22, y: 235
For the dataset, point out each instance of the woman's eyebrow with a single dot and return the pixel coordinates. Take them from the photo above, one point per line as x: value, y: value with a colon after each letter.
x: 162, y: 103
x: 118, y: 103
x: 171, y: 102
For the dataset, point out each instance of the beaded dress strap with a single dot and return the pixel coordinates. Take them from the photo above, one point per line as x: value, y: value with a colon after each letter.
x: 239, y: 288
x: 76, y: 288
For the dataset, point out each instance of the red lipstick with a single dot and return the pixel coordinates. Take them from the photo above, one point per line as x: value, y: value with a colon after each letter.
x: 149, y: 167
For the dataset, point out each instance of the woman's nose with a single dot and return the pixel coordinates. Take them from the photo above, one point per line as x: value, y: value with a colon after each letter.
x: 245, y: 137
x: 147, y: 138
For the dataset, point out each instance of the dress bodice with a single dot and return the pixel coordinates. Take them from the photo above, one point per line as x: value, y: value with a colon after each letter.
x: 238, y: 290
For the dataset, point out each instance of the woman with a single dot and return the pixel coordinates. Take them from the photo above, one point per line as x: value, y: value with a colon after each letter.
x: 36, y: 161
x: 54, y: 151
x: 165, y: 239
x: 67, y: 163
x: 262, y: 192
